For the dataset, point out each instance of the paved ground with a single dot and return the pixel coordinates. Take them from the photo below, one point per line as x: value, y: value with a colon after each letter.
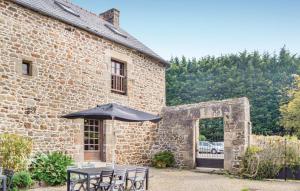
x: 183, y: 180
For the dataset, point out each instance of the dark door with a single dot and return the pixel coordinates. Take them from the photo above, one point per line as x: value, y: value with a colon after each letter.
x: 94, y: 139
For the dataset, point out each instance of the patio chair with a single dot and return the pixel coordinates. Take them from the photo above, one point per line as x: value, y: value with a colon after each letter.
x: 93, y: 179
x: 119, y: 180
x: 104, y: 181
x: 76, y: 180
x: 138, y: 181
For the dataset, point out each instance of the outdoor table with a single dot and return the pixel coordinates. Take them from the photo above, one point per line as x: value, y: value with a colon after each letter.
x: 3, y: 180
x: 89, y: 172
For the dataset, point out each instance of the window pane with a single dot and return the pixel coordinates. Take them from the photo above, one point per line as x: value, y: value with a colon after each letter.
x: 25, y: 68
x: 91, y: 147
x: 91, y: 122
x: 91, y: 128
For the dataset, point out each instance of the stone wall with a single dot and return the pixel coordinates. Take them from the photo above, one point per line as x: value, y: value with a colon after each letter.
x: 71, y: 72
x: 179, y: 131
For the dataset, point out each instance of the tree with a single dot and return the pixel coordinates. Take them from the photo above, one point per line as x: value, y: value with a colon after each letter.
x: 263, y: 78
x: 291, y: 111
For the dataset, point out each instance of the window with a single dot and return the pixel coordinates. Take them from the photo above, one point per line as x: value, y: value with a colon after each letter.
x: 92, y: 135
x: 26, y: 68
x: 115, y: 30
x: 67, y: 8
x: 118, y: 77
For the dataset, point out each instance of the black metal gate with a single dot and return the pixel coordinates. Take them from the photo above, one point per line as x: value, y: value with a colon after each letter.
x: 210, y: 147
x: 210, y: 154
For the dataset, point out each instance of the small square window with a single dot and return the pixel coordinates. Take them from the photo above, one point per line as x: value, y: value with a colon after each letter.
x: 26, y: 68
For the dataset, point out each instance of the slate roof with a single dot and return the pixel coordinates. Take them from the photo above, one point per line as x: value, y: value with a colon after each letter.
x: 87, y: 21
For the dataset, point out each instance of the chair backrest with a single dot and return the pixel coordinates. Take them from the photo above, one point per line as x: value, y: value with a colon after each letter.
x: 131, y: 173
x: 107, y: 175
x: 141, y: 172
x: 120, y: 174
x: 73, y: 176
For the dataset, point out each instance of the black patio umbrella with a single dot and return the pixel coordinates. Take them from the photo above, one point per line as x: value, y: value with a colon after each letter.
x: 114, y: 111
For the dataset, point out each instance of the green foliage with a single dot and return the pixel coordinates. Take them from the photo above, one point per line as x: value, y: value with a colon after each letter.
x: 266, y: 162
x: 202, y: 137
x: 245, y: 189
x: 260, y: 163
x: 22, y: 179
x: 51, y: 168
x: 291, y: 111
x: 212, y: 129
x: 263, y: 78
x: 163, y: 159
x: 14, y: 151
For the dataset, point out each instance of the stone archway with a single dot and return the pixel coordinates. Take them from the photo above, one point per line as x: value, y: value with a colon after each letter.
x: 178, y: 130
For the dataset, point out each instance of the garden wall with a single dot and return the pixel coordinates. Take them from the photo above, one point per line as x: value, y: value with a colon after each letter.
x: 179, y: 129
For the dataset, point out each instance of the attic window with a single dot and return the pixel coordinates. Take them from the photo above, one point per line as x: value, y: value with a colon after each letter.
x: 67, y: 8
x: 115, y: 30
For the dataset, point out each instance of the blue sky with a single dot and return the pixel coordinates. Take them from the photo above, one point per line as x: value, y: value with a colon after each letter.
x: 197, y: 28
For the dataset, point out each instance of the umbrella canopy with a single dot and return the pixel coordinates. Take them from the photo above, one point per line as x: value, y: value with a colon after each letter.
x: 114, y: 111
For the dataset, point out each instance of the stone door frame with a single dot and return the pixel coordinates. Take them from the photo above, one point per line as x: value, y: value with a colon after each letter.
x: 178, y: 129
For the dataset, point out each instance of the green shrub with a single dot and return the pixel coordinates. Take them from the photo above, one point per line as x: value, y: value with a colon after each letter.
x: 260, y: 163
x: 163, y: 159
x: 22, y: 179
x: 14, y: 151
x: 202, y: 138
x: 51, y: 168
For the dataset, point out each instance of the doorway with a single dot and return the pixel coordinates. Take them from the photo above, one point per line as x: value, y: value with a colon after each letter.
x: 94, y: 140
x: 210, y: 146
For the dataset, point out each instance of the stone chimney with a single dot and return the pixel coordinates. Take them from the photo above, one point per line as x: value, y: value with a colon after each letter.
x: 111, y: 16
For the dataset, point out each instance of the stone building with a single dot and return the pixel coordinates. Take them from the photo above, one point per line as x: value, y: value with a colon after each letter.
x: 57, y: 58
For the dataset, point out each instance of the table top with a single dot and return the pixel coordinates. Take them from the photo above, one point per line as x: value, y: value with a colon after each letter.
x: 98, y: 170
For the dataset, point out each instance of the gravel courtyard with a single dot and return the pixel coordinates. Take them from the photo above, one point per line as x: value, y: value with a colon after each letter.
x: 184, y: 180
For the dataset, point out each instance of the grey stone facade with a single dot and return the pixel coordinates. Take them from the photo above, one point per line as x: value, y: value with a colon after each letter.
x: 178, y: 131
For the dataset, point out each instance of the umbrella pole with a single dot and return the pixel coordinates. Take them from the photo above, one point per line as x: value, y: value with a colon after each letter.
x: 114, y: 144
